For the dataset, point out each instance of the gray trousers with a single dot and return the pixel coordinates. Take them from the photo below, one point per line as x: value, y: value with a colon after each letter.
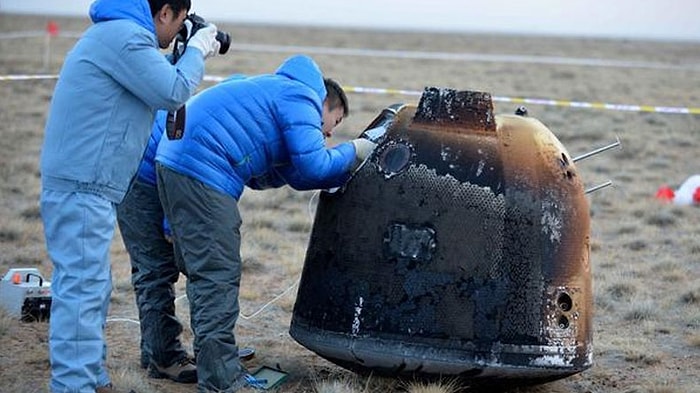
x: 153, y: 273
x: 206, y: 227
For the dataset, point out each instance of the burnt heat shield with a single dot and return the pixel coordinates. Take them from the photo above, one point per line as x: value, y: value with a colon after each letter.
x: 460, y: 247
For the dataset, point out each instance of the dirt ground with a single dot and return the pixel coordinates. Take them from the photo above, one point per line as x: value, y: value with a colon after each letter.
x: 645, y: 254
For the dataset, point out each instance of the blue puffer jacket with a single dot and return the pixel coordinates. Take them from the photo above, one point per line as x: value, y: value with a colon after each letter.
x: 109, y: 88
x: 262, y: 131
x: 147, y: 170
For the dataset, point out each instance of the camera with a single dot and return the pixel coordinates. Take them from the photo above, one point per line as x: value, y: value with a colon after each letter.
x: 175, y: 122
x: 197, y: 23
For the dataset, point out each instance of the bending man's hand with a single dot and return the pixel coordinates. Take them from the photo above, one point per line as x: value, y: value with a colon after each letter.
x: 205, y: 41
x: 363, y: 148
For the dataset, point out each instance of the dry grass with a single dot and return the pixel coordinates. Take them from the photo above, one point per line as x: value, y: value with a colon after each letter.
x: 6, y: 322
x: 448, y: 386
x: 645, y: 255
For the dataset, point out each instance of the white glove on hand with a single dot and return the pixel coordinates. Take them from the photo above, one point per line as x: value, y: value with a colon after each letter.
x: 363, y: 148
x: 205, y: 40
x: 188, y: 26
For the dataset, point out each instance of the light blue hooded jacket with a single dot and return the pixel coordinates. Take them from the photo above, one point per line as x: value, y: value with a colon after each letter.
x: 111, y: 84
x: 263, y: 131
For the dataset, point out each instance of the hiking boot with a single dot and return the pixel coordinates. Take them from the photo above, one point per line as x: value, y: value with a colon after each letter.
x: 110, y: 389
x: 182, y: 371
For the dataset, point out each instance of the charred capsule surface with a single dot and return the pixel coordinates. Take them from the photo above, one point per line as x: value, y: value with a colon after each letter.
x: 461, y: 247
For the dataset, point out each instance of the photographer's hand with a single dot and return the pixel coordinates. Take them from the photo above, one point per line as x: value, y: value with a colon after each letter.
x: 205, y: 41
x: 186, y: 31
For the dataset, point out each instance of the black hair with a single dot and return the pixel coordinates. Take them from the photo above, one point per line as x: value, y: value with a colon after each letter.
x: 176, y: 5
x: 336, y: 95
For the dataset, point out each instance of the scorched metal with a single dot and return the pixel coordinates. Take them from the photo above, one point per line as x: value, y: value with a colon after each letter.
x: 461, y: 247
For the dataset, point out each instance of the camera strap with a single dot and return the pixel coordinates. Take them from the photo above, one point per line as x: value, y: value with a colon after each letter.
x: 175, y: 122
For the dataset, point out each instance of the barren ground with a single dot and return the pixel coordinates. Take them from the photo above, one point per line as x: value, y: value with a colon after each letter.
x: 645, y: 254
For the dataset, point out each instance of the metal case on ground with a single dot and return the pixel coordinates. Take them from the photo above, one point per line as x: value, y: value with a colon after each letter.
x: 25, y: 294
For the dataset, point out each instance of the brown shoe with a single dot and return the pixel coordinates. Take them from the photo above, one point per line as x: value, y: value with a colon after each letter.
x: 182, y: 371
x: 110, y: 389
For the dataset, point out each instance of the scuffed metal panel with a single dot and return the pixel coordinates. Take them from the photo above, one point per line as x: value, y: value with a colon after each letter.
x: 459, y: 248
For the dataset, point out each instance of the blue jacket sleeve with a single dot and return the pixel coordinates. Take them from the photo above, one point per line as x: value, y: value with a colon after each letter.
x: 147, y: 74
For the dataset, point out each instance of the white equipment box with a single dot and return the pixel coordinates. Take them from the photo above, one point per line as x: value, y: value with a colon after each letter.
x: 25, y: 294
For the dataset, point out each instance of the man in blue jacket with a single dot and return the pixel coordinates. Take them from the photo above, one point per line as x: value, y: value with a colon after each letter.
x: 263, y: 131
x: 154, y: 270
x: 110, y: 85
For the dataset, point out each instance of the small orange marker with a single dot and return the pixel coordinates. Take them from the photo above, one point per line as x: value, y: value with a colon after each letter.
x: 16, y: 278
x: 665, y: 194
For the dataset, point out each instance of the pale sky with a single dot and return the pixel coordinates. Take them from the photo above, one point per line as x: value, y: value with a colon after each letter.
x: 644, y: 19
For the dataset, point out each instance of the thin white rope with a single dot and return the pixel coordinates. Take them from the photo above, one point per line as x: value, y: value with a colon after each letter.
x: 266, y: 305
x: 120, y: 319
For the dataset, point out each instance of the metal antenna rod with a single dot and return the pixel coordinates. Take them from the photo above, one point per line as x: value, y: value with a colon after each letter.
x: 598, y: 187
x: 597, y: 151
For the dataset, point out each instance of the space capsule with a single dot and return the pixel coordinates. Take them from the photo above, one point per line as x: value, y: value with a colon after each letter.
x: 459, y: 248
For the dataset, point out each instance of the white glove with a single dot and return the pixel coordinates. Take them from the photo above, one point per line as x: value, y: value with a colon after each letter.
x: 205, y: 41
x: 187, y: 24
x: 363, y: 148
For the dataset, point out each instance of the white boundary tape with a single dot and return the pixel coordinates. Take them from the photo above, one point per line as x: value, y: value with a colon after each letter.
x: 37, y: 33
x: 515, y: 100
x: 546, y: 102
x: 22, y: 34
x: 457, y: 56
x: 27, y: 77
x: 420, y: 55
x: 532, y: 101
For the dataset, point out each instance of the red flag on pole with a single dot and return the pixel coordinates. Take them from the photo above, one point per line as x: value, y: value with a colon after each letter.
x: 52, y: 28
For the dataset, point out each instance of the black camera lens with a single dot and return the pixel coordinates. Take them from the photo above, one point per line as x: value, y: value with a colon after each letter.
x: 225, y: 41
x: 197, y: 23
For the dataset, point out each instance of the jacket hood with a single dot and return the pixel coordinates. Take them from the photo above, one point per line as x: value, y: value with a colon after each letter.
x: 136, y: 10
x: 306, y: 71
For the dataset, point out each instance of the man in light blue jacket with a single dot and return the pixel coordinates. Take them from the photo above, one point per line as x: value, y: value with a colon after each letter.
x: 262, y: 131
x: 110, y: 85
